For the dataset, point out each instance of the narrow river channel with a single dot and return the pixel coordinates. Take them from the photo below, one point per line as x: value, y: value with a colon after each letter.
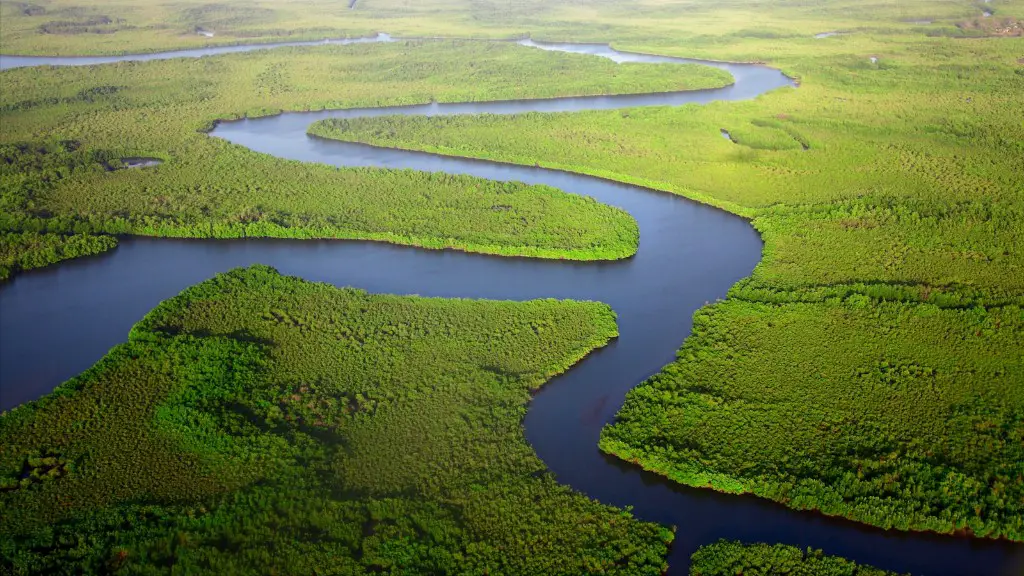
x: 690, y: 254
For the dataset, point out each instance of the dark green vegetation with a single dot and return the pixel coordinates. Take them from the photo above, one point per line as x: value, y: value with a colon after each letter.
x: 725, y: 558
x: 912, y: 420
x: 871, y: 366
x: 62, y: 129
x: 32, y: 242
x: 262, y: 424
x: 26, y: 250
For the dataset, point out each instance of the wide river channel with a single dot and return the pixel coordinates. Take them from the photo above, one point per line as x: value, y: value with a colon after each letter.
x: 58, y: 321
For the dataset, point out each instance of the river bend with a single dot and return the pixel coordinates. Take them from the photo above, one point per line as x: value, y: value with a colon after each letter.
x: 689, y: 254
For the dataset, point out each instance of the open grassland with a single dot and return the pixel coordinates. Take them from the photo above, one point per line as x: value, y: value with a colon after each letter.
x: 65, y: 129
x: 118, y: 26
x: 261, y: 424
x: 871, y: 367
x: 726, y: 558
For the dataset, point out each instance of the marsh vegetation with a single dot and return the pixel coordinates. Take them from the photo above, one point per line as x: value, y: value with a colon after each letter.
x: 65, y: 129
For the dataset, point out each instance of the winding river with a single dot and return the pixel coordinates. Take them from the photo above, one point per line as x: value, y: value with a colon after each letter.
x: 690, y: 254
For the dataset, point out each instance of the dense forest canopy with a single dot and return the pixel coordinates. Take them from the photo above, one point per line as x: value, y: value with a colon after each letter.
x: 727, y: 558
x: 258, y: 423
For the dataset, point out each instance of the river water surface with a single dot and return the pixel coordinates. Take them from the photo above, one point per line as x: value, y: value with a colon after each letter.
x: 58, y: 321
